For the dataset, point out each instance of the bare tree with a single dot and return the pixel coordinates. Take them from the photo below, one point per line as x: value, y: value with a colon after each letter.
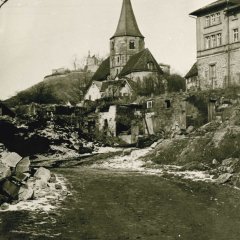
x: 2, y: 2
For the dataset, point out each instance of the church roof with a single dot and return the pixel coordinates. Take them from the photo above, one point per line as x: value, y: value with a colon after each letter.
x: 127, y: 25
x: 193, y: 71
x: 103, y: 71
x: 140, y: 63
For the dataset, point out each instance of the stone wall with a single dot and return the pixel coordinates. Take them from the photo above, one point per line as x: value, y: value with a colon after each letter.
x: 166, y: 114
x: 120, y: 52
x: 204, y: 71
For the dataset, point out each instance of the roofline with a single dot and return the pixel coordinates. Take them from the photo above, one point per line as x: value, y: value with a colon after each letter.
x: 206, y: 8
x: 126, y: 36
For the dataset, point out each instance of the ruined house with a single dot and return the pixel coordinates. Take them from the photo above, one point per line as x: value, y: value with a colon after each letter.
x: 164, y: 114
x: 119, y: 121
x: 218, y: 48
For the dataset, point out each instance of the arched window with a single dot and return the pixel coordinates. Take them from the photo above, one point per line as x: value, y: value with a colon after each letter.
x: 112, y: 46
x: 132, y: 44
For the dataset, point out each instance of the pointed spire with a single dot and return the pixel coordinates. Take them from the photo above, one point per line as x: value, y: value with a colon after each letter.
x: 127, y: 25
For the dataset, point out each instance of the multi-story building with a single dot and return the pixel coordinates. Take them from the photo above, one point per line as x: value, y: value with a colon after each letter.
x: 218, y: 46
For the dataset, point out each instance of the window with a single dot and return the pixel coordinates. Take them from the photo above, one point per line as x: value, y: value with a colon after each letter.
x: 150, y: 65
x: 132, y: 44
x: 213, y: 19
x: 149, y: 104
x: 219, y: 39
x: 207, y: 23
x: 234, y: 17
x: 207, y: 42
x: 213, y: 41
x: 235, y: 35
x: 212, y: 71
x: 112, y: 46
x: 167, y: 103
x: 218, y: 18
x: 118, y: 59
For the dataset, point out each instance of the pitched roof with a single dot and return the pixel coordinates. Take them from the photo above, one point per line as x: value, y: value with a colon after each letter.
x: 193, y: 71
x: 139, y: 63
x: 218, y: 3
x: 116, y: 83
x: 127, y: 25
x: 103, y: 71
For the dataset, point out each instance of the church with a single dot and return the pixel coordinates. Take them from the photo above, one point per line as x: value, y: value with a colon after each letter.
x: 129, y: 60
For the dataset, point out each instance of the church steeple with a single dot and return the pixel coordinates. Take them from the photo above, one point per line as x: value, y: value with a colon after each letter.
x: 127, y: 25
x: 126, y: 41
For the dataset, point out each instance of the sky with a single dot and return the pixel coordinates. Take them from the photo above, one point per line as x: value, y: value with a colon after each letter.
x: 37, y: 36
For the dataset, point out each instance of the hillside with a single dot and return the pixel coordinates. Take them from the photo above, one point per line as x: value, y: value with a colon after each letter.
x: 56, y: 89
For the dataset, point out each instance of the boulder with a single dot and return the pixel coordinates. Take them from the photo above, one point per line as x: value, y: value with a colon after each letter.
x: 25, y: 193
x: 10, y: 159
x: 215, y: 162
x: 23, y: 165
x: 230, y: 165
x: 235, y: 180
x: 5, y: 206
x: 5, y: 171
x: 223, y: 178
x: 189, y: 129
x: 11, y: 189
x: 43, y: 174
x: 53, y: 178
x: 20, y: 177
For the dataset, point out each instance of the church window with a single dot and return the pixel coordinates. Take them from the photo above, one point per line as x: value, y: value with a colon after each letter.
x: 132, y: 44
x: 112, y: 46
x: 118, y: 59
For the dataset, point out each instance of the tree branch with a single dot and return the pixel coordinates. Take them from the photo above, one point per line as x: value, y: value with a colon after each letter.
x: 3, y: 2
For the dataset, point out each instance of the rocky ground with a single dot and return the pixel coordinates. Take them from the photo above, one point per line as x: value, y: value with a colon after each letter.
x: 19, y: 182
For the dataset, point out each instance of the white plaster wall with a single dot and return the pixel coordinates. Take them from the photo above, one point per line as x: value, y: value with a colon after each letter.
x: 110, y: 116
x: 93, y: 93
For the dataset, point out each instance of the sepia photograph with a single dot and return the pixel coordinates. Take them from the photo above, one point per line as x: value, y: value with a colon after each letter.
x: 119, y: 119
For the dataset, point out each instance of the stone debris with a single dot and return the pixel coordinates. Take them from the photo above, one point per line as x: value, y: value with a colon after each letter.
x: 43, y: 174
x: 23, y: 165
x: 10, y: 159
x: 19, y: 182
x: 223, y: 178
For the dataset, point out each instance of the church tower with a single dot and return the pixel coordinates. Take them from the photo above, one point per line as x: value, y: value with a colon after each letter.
x: 126, y: 41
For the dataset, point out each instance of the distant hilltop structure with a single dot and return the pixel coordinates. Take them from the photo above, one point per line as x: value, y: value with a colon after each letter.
x: 129, y: 59
x: 92, y: 63
x: 218, y: 46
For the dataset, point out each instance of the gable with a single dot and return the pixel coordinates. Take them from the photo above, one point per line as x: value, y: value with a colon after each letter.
x: 141, y: 62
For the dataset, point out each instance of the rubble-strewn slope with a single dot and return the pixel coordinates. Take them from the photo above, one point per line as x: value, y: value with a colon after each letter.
x: 214, y: 140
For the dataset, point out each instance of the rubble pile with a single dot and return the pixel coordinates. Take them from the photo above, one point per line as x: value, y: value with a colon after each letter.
x: 20, y: 182
x: 65, y: 142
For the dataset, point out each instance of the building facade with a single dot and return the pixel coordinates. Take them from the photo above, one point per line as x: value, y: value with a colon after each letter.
x: 218, y: 45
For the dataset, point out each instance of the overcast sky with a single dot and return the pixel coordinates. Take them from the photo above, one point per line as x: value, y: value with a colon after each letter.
x: 37, y: 36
